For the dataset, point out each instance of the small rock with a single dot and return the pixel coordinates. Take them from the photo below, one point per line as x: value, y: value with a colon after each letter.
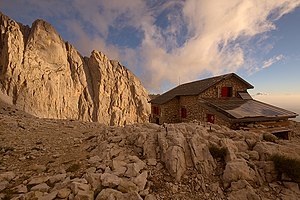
x: 215, y: 187
x: 292, y: 186
x: 56, y: 156
x: 253, y: 155
x: 7, y: 176
x: 21, y: 189
x: 150, y: 197
x: 3, y: 185
x: 43, y: 187
x: 141, y: 180
x: 285, y: 177
x: 91, y: 170
x: 114, y: 152
x: 84, y: 195
x: 80, y: 180
x: 144, y: 193
x: 38, y: 180
x: 110, y: 180
x: 57, y: 178
x: 94, y: 160
x: 239, y: 185
x: 107, y: 170
x: 132, y: 196
x: 50, y: 196
x: 127, y: 186
x: 38, y: 168
x: 119, y: 167
x: 63, y: 193
x: 76, y: 187
x: 109, y: 194
x: 34, y: 195
x: 93, y: 179
x: 151, y: 162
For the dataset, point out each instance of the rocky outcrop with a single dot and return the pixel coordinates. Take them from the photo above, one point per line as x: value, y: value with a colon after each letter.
x: 48, y: 78
x: 84, y: 160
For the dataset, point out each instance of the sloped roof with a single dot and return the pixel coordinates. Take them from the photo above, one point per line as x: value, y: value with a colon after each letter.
x: 240, y: 109
x: 194, y: 88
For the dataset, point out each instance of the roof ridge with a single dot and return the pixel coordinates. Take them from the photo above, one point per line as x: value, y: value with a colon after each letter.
x: 194, y: 88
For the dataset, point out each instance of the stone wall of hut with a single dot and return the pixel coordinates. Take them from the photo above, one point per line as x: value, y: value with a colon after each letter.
x: 170, y: 112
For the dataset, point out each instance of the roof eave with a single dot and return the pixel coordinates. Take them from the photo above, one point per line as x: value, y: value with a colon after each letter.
x: 262, y: 118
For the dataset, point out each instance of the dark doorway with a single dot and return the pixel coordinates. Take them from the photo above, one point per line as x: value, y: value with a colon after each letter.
x: 211, y: 118
x: 157, y: 120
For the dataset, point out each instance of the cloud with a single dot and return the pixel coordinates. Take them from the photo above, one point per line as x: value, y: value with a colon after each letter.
x: 261, y: 94
x: 180, y: 39
x: 272, y: 61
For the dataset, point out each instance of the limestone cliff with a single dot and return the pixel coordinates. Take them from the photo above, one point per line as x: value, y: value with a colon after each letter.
x: 48, y: 78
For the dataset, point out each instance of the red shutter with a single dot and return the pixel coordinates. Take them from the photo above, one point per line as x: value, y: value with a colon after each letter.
x: 183, y: 113
x: 155, y: 110
x: 224, y: 92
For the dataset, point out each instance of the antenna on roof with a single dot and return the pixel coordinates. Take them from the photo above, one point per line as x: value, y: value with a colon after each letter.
x: 179, y: 80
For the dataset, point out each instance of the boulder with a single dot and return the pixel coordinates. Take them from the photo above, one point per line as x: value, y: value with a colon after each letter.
x: 238, y: 170
x: 173, y: 146
x: 175, y: 161
x: 230, y: 149
x: 242, y: 190
x: 202, y: 159
x: 110, y: 180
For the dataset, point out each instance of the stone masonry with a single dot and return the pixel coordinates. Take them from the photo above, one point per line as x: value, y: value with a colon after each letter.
x: 170, y: 112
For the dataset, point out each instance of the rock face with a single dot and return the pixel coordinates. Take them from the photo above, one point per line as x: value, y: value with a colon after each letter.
x: 48, y: 78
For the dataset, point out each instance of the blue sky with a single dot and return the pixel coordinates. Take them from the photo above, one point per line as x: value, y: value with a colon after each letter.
x: 165, y: 42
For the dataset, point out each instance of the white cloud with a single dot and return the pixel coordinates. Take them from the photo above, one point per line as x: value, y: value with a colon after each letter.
x: 210, y: 31
x: 272, y: 61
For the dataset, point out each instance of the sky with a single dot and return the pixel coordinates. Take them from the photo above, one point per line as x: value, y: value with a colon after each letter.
x: 170, y: 42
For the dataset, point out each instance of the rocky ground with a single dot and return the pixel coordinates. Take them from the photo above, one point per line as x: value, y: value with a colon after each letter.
x: 64, y: 159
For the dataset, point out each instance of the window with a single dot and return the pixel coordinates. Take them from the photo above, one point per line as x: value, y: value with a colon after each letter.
x: 226, y: 92
x: 210, y: 118
x: 183, y: 113
x: 244, y: 95
x: 155, y: 110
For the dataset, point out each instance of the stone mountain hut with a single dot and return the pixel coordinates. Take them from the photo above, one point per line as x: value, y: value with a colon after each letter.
x: 222, y: 100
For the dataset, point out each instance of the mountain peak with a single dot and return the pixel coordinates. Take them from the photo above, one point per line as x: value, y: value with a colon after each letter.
x: 48, y: 78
